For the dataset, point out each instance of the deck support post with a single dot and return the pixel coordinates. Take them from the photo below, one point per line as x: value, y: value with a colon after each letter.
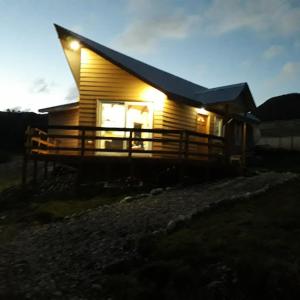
x: 35, y: 170
x: 25, y: 156
x: 45, y: 169
x: 82, y: 150
x: 129, y: 146
x: 244, y: 139
x: 131, y: 168
x: 184, y: 137
x: 24, y: 170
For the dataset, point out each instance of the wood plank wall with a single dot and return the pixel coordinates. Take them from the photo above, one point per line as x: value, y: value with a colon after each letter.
x: 100, y: 79
x: 67, y: 117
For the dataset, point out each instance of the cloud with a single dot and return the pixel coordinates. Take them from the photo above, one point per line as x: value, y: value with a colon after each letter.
x: 72, y: 94
x: 40, y: 86
x: 272, y: 17
x: 273, y: 51
x: 153, y: 21
x: 290, y: 69
x: 297, y: 44
x: 288, y: 74
x: 144, y: 35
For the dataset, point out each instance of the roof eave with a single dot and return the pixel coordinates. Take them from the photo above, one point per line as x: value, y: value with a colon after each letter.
x: 59, y: 108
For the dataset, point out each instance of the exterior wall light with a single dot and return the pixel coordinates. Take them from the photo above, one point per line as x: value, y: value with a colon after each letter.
x: 74, y: 45
x: 151, y: 94
x: 202, y: 111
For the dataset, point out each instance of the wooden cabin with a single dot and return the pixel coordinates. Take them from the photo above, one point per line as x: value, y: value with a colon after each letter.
x: 129, y: 108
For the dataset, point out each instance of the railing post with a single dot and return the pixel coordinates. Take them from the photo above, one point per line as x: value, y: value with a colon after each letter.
x: 39, y: 142
x: 129, y: 147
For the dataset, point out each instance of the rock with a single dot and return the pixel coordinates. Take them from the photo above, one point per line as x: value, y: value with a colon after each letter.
x: 169, y: 188
x: 96, y: 287
x: 156, y: 191
x: 214, y: 284
x: 57, y: 294
x: 127, y: 199
x: 171, y: 226
x: 139, y: 196
x: 181, y: 218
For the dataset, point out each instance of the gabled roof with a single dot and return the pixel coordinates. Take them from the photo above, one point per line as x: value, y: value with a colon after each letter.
x: 173, y: 86
x: 221, y: 94
x: 237, y: 95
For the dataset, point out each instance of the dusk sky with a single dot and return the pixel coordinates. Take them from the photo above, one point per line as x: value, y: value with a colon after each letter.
x: 211, y: 43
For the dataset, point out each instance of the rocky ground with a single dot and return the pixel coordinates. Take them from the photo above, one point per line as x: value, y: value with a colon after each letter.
x: 65, y: 260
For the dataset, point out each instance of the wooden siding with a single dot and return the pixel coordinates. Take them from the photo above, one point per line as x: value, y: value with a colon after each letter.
x: 102, y: 80
x: 66, y: 118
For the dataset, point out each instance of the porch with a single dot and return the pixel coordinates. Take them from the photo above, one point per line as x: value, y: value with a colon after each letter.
x: 79, y: 145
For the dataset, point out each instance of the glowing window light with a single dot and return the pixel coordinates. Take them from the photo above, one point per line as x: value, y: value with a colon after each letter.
x: 202, y: 111
x: 74, y: 45
x: 154, y: 95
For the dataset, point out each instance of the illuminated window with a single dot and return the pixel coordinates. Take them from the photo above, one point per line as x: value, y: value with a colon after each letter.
x: 125, y: 115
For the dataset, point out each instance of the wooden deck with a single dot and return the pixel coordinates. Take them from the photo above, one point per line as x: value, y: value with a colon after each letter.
x: 82, y: 145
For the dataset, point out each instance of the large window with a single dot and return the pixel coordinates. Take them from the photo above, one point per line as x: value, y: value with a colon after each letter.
x: 137, y: 115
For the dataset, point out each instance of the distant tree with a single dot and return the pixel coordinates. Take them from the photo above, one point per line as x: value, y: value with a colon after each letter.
x: 13, y: 123
x: 14, y: 109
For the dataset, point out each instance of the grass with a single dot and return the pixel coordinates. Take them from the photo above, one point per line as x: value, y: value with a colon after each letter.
x: 62, y: 208
x: 25, y: 211
x: 279, y: 160
x: 242, y: 250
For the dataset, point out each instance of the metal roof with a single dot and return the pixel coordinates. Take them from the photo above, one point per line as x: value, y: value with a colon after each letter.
x: 175, y: 87
x: 221, y: 94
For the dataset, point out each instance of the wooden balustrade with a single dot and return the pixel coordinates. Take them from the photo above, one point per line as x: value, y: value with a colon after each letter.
x: 163, y: 143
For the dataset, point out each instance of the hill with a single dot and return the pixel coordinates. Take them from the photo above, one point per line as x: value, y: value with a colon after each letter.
x: 284, y: 107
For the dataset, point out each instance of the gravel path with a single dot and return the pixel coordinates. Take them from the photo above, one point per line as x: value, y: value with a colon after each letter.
x: 64, y: 260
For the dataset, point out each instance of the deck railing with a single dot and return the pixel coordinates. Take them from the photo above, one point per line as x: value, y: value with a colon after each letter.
x: 85, y: 141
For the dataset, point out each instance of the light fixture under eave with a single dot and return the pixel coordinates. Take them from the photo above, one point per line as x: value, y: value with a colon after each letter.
x: 202, y: 111
x: 74, y: 45
x: 152, y: 94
